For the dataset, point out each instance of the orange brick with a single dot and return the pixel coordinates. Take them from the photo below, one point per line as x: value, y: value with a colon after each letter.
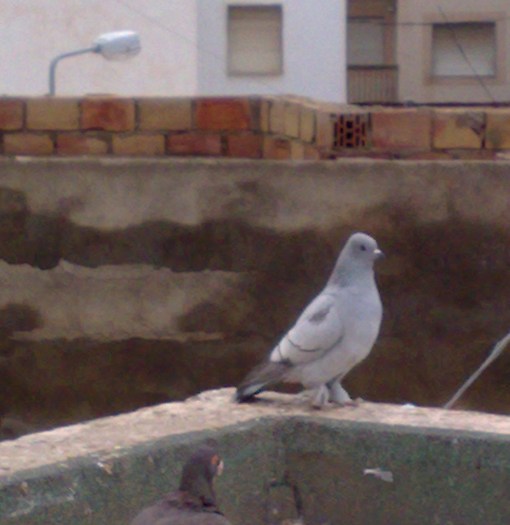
x: 276, y: 148
x: 406, y: 129
x: 297, y: 150
x: 11, y: 114
x: 311, y: 153
x: 427, y: 155
x: 80, y: 144
x: 53, y: 113
x: 256, y: 118
x: 471, y: 154
x: 27, y: 144
x: 497, y: 134
x: 277, y: 117
x: 194, y: 144
x: 265, y: 108
x: 247, y: 145
x: 164, y: 114
x: 346, y: 153
x: 307, y: 124
x: 325, y: 130
x: 110, y: 114
x: 216, y: 114
x: 140, y: 145
x: 291, y: 122
x: 458, y: 129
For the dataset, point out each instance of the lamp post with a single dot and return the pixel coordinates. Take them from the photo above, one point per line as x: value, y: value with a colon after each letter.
x: 118, y: 45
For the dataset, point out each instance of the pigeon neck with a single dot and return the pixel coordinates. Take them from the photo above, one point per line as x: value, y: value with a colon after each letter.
x: 201, y: 489
x: 346, y: 274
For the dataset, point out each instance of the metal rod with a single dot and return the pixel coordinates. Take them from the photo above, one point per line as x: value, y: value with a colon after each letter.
x: 496, y: 351
x: 58, y: 58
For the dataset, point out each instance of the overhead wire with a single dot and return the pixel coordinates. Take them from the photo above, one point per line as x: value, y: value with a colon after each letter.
x: 270, y: 87
x: 219, y: 58
x: 465, y: 56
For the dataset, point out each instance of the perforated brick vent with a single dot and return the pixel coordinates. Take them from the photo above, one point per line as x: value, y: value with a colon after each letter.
x: 350, y: 131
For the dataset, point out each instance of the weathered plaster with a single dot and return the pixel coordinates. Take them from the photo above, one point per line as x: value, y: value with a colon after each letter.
x: 113, y: 269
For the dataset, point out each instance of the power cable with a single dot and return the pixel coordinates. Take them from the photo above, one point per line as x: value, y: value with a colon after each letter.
x: 462, y: 51
x: 219, y: 58
x: 165, y: 28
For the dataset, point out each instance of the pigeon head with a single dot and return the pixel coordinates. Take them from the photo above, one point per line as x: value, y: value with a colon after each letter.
x: 357, y: 257
x: 199, y: 472
x: 362, y: 248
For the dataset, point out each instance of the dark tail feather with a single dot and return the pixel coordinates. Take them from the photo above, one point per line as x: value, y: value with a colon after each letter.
x: 259, y: 379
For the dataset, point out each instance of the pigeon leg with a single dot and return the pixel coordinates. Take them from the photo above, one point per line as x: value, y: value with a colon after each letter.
x: 320, y: 399
x: 338, y: 394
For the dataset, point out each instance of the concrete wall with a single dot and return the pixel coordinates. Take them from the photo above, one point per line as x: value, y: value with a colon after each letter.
x: 415, y: 46
x: 282, y: 461
x: 38, y: 30
x: 314, y: 52
x: 181, y: 274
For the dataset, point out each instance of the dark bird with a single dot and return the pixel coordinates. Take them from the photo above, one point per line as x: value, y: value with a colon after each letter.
x: 195, y: 502
x: 335, y: 332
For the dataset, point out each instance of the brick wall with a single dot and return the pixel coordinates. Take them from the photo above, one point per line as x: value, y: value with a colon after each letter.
x: 251, y: 127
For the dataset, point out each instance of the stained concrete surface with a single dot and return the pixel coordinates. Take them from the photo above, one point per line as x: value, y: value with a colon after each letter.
x: 283, y: 460
x: 125, y: 283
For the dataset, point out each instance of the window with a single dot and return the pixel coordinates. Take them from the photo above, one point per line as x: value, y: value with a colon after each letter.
x: 255, y: 40
x: 464, y: 49
x: 365, y: 41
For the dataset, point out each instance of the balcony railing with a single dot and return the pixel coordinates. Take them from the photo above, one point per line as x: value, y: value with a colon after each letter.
x: 372, y: 84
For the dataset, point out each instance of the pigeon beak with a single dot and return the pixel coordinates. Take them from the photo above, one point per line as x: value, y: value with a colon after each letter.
x: 378, y: 254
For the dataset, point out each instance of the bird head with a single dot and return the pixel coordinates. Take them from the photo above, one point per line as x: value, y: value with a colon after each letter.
x: 363, y: 248
x: 356, y: 259
x: 199, y: 472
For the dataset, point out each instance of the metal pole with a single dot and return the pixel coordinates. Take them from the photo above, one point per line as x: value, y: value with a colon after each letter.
x: 58, y: 58
x: 498, y: 348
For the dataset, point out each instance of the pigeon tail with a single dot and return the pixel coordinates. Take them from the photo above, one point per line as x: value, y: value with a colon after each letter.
x: 260, y: 378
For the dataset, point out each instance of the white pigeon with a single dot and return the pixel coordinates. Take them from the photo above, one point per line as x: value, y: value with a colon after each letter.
x: 335, y: 332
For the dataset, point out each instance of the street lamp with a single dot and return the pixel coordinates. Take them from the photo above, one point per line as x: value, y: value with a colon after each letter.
x: 118, y: 45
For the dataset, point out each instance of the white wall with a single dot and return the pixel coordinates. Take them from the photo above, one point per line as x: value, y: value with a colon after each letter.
x: 34, y: 31
x: 314, y: 51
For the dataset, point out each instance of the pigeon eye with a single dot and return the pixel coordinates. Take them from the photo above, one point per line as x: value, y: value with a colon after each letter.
x: 363, y: 248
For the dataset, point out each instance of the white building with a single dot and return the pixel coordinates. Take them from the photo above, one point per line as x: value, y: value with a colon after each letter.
x: 189, y: 47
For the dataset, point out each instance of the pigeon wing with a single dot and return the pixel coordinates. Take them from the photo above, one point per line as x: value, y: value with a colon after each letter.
x: 318, y: 329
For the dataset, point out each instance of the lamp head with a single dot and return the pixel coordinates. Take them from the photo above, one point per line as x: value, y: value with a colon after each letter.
x: 118, y: 45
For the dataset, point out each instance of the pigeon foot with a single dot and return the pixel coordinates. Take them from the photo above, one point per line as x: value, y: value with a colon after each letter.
x: 338, y: 394
x: 320, y: 399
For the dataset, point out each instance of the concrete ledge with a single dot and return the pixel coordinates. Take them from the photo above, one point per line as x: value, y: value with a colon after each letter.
x: 283, y: 459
